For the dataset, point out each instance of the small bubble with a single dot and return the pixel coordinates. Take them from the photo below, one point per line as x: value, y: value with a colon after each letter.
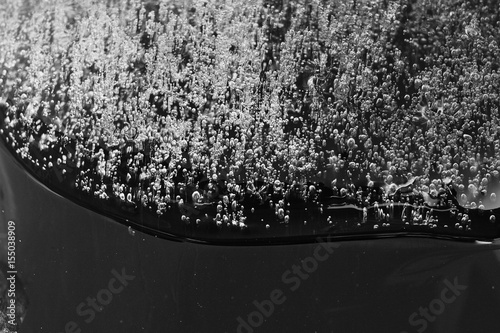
x: 281, y: 213
x: 351, y: 143
x: 196, y: 196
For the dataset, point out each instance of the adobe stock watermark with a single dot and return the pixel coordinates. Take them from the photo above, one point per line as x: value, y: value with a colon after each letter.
x: 88, y: 308
x: 425, y: 315
x: 292, y: 279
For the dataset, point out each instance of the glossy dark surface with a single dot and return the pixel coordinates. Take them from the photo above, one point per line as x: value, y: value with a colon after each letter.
x: 67, y: 253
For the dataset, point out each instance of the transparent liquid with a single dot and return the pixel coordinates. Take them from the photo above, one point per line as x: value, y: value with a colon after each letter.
x: 254, y: 121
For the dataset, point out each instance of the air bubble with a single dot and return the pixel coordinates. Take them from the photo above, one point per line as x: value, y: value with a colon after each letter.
x: 351, y: 143
x: 281, y: 213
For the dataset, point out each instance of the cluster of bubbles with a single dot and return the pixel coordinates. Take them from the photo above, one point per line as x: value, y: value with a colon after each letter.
x: 238, y: 105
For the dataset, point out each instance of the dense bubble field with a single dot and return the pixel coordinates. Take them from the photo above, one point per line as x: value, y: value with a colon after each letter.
x: 260, y: 119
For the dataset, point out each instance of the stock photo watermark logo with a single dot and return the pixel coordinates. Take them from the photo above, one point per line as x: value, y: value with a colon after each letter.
x: 88, y: 308
x: 292, y: 278
x: 420, y: 319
